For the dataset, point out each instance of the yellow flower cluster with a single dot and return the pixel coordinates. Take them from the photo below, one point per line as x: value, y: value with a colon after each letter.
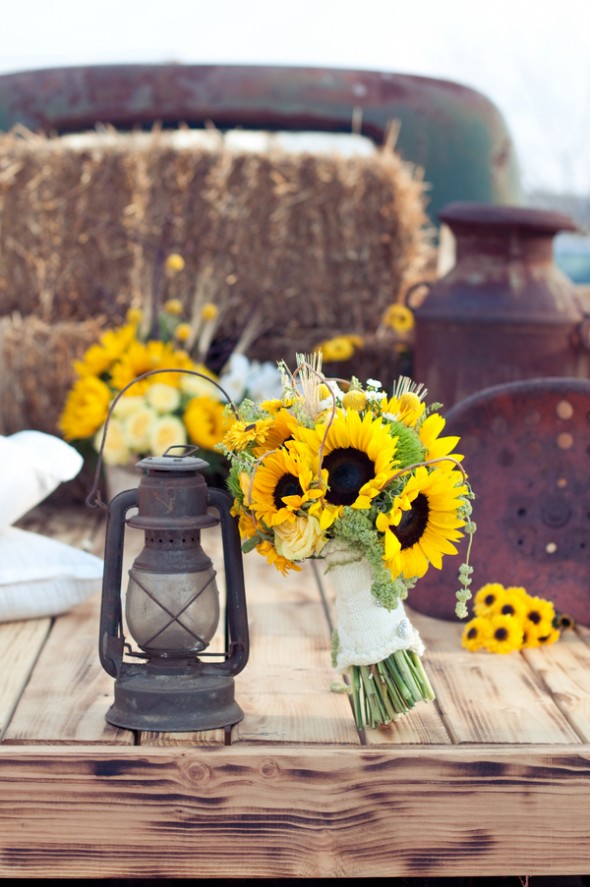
x: 157, y: 412
x: 358, y: 465
x: 507, y: 619
x: 399, y: 318
x: 339, y: 348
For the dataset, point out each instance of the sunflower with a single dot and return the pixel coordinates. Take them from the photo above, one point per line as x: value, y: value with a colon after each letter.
x: 423, y: 522
x: 282, y: 484
x: 550, y: 638
x: 539, y: 622
x: 143, y: 357
x: 240, y: 434
x: 86, y: 408
x: 358, y: 455
x: 339, y: 347
x: 282, y: 428
x: 505, y: 634
x: 489, y: 599
x: 399, y: 318
x: 111, y: 345
x: 437, y: 447
x: 206, y: 421
x: 476, y: 634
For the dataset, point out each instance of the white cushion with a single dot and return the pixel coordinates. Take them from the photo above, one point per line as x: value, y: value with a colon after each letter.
x: 32, y: 465
x: 40, y: 576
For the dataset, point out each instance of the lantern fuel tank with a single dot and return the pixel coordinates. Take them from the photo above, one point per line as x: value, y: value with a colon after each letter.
x: 504, y: 312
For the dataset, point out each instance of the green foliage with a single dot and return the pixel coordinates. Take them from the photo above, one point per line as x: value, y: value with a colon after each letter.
x: 356, y: 530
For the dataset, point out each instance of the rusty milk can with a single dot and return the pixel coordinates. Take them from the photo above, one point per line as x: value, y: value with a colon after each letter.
x: 504, y: 312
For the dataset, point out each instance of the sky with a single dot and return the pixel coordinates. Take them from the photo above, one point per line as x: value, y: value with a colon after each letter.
x: 531, y: 58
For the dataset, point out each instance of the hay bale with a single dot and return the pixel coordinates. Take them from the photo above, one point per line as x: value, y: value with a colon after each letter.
x: 36, y: 369
x: 318, y: 245
x: 307, y: 237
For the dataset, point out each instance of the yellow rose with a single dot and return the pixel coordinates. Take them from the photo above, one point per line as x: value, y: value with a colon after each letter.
x: 137, y: 426
x: 163, y: 398
x: 116, y: 451
x: 300, y: 538
x: 126, y: 405
x: 166, y: 431
x: 196, y: 386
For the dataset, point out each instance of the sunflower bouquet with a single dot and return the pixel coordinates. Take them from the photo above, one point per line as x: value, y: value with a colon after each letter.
x: 363, y: 481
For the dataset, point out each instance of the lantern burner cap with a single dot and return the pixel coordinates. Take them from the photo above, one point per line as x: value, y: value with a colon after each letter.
x: 172, y: 463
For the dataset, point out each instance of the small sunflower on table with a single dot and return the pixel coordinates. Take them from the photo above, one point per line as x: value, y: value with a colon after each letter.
x: 509, y: 618
x: 363, y: 481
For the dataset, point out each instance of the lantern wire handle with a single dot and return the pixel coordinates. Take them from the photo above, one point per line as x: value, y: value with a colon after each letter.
x: 94, y: 499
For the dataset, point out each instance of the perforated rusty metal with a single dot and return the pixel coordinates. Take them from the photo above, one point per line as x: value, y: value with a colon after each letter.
x: 527, y: 454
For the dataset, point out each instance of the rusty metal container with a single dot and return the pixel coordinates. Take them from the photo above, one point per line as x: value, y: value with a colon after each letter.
x: 504, y: 312
x: 526, y: 453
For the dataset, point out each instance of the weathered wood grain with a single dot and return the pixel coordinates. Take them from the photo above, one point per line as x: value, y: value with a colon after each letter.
x: 487, y: 697
x: 68, y: 694
x: 564, y: 668
x: 20, y: 645
x: 491, y: 779
x: 237, y: 812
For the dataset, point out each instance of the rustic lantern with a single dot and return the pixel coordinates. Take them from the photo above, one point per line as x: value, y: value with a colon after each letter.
x: 172, y: 606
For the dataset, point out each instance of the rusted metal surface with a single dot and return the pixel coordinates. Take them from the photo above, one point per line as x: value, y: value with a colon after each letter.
x: 527, y: 455
x: 453, y: 132
x: 504, y: 312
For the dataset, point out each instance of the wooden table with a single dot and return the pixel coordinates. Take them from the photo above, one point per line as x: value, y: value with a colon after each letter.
x: 492, y: 779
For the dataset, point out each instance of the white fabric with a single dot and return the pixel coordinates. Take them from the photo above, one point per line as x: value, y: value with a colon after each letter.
x: 367, y: 631
x: 32, y: 465
x: 40, y: 576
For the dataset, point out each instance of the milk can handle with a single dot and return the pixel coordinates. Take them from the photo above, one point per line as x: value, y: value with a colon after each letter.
x: 584, y: 332
x: 413, y: 288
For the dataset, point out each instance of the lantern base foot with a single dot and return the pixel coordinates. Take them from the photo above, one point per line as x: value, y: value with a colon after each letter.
x: 175, y: 703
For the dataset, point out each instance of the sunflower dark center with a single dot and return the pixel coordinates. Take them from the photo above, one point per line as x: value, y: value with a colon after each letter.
x: 348, y: 470
x: 507, y: 610
x: 501, y: 634
x: 413, y: 522
x: 288, y: 485
x: 534, y: 616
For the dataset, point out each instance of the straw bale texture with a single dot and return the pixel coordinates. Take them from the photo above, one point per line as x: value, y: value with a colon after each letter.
x: 35, y: 368
x: 318, y: 245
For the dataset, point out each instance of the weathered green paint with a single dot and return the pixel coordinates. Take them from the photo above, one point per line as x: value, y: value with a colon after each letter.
x: 454, y: 133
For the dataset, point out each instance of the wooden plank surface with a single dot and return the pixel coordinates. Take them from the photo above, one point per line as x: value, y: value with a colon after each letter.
x: 293, y: 813
x: 20, y: 645
x: 486, y: 697
x: 565, y: 670
x: 68, y: 694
